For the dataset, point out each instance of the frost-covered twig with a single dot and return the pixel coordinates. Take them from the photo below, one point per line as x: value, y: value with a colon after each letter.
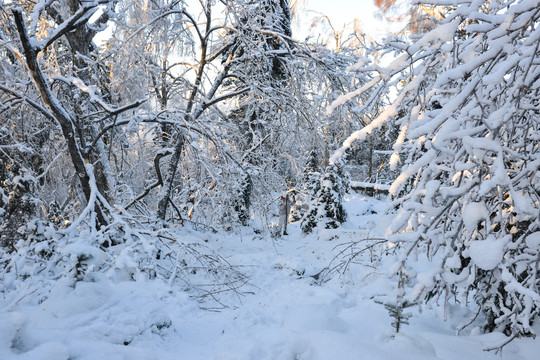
x: 349, y: 253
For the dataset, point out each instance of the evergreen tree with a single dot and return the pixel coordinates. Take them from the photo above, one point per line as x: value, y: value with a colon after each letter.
x: 311, y: 179
x: 310, y: 185
x: 327, y: 208
x: 17, y: 207
x: 343, y: 180
x: 243, y: 200
x: 264, y: 77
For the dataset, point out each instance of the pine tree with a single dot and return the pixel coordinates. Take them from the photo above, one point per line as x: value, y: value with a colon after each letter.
x: 327, y: 208
x: 309, y: 186
x: 17, y: 207
x: 311, y: 179
x: 243, y: 201
x: 343, y: 179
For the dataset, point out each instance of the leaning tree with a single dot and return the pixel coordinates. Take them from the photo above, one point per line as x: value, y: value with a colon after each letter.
x: 50, y: 42
x: 469, y: 191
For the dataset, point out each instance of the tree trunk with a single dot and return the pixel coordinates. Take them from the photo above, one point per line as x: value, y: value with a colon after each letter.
x: 80, y: 42
x: 60, y: 114
x: 167, y: 186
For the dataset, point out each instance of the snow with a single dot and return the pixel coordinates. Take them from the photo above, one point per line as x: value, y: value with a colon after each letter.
x: 487, y: 254
x: 285, y: 312
x: 533, y: 241
x: 474, y: 213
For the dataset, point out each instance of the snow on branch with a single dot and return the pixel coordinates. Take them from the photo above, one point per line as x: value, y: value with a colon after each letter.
x: 81, y: 16
x: 468, y: 112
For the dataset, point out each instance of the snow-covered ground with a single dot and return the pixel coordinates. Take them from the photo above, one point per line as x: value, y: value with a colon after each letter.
x: 291, y: 309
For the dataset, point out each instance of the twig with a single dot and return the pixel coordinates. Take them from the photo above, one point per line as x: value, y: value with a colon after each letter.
x: 500, y: 347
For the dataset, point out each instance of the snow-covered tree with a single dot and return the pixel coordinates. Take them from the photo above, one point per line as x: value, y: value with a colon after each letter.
x: 469, y: 147
x: 250, y: 96
x: 240, y: 196
x: 312, y: 175
x: 326, y: 209
x: 309, y: 185
x: 64, y: 94
x: 18, y: 206
x: 192, y: 77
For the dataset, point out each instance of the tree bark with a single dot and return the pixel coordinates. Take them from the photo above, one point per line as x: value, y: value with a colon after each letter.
x: 60, y: 114
x: 80, y: 42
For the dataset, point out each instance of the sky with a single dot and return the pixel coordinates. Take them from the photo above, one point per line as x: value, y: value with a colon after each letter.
x: 340, y: 12
x: 345, y: 11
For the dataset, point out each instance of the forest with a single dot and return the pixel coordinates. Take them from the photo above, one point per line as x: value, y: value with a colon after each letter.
x: 191, y: 179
